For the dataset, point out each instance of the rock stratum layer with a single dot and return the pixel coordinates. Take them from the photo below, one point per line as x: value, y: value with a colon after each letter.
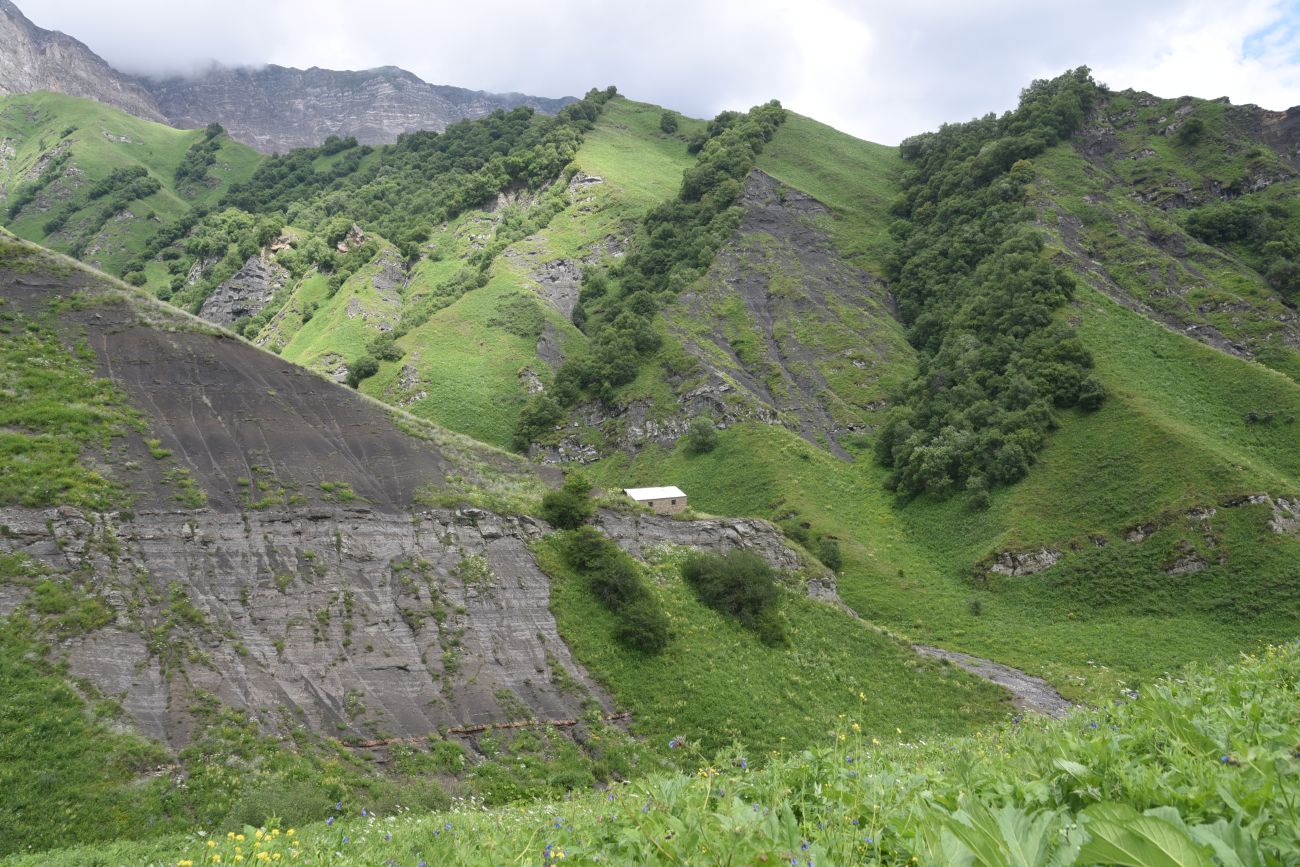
x: 34, y: 59
x: 275, y: 108
x: 275, y: 555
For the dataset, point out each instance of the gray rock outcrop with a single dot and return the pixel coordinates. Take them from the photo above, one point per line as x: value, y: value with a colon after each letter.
x: 246, y: 292
x: 275, y: 108
x: 35, y: 59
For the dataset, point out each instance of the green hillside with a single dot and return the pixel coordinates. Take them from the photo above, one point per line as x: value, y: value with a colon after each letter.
x: 1028, y: 385
x: 1182, y: 775
x: 82, y: 178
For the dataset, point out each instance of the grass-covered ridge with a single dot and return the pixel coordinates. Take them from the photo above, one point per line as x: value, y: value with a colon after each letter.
x: 1199, y: 769
x: 92, y: 181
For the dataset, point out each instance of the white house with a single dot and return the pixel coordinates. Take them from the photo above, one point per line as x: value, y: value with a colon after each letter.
x: 664, y: 501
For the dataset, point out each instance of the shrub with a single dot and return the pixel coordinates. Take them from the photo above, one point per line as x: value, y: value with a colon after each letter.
x: 363, y: 368
x: 615, y: 579
x: 701, y: 437
x: 738, y: 584
x: 586, y: 548
x: 643, y: 626
x: 566, y: 509
x: 828, y: 551
x: 668, y: 122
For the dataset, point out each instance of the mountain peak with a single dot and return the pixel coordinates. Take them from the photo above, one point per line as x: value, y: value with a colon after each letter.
x: 38, y: 59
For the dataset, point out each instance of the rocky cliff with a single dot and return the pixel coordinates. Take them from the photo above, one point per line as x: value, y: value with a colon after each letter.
x: 33, y: 59
x: 275, y: 108
x: 288, y: 548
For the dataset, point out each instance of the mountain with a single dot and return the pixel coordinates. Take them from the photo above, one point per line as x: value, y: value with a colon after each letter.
x: 1027, y: 386
x: 274, y: 108
x: 271, y: 108
x: 34, y: 59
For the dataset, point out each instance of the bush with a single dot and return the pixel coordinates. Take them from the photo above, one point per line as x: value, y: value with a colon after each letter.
x: 701, y: 437
x: 668, y: 122
x: 615, y: 579
x: 566, y: 509
x: 643, y: 626
x: 738, y: 584
x: 828, y: 551
x: 586, y: 548
x: 363, y: 368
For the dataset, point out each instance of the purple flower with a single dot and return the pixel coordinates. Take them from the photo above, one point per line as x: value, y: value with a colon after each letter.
x: 388, y: 838
x: 346, y: 839
x: 339, y: 805
x: 329, y: 821
x: 1225, y: 759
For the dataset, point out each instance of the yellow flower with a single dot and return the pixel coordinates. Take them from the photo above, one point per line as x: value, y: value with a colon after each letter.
x: 216, y: 859
x: 239, y: 837
x: 289, y: 833
x: 275, y: 832
x: 230, y: 835
x: 856, y: 728
x: 900, y: 731
x: 212, y: 843
x: 257, y: 835
x: 875, y: 742
x: 185, y: 863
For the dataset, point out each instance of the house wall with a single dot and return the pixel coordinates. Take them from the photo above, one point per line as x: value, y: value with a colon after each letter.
x: 667, y: 506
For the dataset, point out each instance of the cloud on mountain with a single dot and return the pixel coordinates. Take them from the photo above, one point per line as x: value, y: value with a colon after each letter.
x: 879, y: 70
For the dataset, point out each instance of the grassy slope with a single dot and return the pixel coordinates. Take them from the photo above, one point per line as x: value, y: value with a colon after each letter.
x: 469, y: 368
x: 855, y: 178
x: 1187, y: 281
x: 834, y: 665
x: 106, y: 139
x: 1208, y: 749
x: 1172, y: 437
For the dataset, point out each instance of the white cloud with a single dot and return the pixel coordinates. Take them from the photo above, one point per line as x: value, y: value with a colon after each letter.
x: 881, y: 70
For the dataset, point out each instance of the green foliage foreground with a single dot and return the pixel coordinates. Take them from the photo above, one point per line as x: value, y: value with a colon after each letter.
x: 1199, y: 770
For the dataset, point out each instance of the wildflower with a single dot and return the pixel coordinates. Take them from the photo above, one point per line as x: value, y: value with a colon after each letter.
x: 212, y: 843
x: 329, y: 821
x: 185, y: 863
x: 289, y: 833
x: 257, y: 835
x: 216, y: 859
x: 339, y: 805
x: 388, y: 838
x: 239, y: 837
x: 230, y: 835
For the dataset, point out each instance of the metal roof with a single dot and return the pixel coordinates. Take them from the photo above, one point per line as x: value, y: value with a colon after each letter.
x: 640, y: 494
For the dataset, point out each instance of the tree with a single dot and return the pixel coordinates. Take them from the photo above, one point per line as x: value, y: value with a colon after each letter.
x: 566, y: 509
x: 668, y: 122
x: 701, y: 437
x: 363, y: 368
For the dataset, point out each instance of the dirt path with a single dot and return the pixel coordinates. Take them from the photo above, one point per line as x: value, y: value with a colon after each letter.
x: 1031, y: 693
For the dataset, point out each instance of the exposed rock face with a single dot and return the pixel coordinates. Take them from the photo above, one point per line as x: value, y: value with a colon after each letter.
x: 246, y: 292
x: 377, y: 625
x: 275, y: 108
x: 34, y: 59
x: 801, y: 303
x: 1024, y: 562
x: 310, y: 588
x: 1028, y: 692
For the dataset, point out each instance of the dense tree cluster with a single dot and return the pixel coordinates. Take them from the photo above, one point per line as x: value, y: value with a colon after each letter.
x: 979, y: 296
x: 400, y: 191
x: 673, y: 247
x: 201, y: 156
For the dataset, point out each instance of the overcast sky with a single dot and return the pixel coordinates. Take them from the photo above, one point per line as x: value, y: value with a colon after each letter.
x: 879, y: 70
